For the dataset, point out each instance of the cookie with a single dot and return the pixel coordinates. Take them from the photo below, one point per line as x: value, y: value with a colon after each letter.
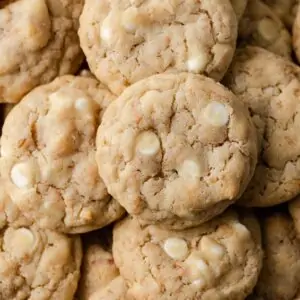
x: 294, y: 209
x: 270, y: 86
x: 115, y: 290
x: 38, y: 42
x: 239, y: 7
x: 98, y: 268
x: 176, y: 149
x: 279, y: 278
x: 220, y: 259
x: 261, y: 27
x: 285, y: 9
x: 48, y: 156
x: 38, y: 264
x: 126, y: 41
x: 10, y: 215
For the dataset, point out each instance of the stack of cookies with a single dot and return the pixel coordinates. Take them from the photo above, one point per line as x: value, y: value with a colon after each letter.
x: 150, y: 150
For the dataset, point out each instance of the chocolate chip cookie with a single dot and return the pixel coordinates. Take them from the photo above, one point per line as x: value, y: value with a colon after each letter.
x: 48, y: 156
x: 220, y: 259
x: 176, y: 149
x: 270, y: 86
x: 126, y: 41
x: 38, y: 42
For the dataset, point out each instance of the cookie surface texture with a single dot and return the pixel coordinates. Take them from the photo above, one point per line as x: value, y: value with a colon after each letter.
x: 38, y: 42
x: 48, y: 156
x: 176, y: 149
x: 220, y: 259
x: 270, y: 85
x: 38, y: 264
x: 126, y: 41
x: 279, y: 278
x: 261, y: 27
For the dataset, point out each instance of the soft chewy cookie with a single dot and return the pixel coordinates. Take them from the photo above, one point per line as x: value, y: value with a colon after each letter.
x: 261, y: 27
x: 38, y: 264
x: 270, y: 86
x: 285, y: 9
x: 279, y: 278
x: 48, y: 156
x: 125, y: 41
x: 38, y: 41
x: 177, y: 149
x: 220, y: 259
x: 239, y: 7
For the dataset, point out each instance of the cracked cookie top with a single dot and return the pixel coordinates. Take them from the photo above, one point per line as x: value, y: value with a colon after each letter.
x: 128, y: 40
x: 48, y: 156
x: 176, y: 149
x: 261, y: 27
x: 38, y: 264
x: 270, y: 86
x: 220, y: 259
x: 38, y: 41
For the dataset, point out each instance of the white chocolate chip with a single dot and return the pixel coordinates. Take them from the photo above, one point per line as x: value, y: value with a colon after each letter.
x: 81, y: 104
x: 22, y: 175
x: 197, y: 64
x: 216, y: 114
x: 189, y: 169
x: 148, y: 143
x: 176, y: 248
x: 106, y: 32
x: 199, y: 283
x: 130, y: 20
x: 211, y: 249
x: 268, y: 29
x: 21, y: 242
x: 197, y: 267
x: 241, y: 229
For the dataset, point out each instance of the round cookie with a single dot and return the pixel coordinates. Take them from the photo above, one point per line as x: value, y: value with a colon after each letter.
x: 261, y: 27
x: 38, y: 264
x: 176, y: 149
x: 220, y: 259
x: 285, y: 9
x: 126, y: 41
x: 48, y: 156
x: 38, y: 42
x: 239, y: 7
x: 279, y: 278
x: 270, y: 85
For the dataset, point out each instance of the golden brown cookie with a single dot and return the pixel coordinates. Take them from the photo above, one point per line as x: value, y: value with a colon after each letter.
x: 260, y: 26
x: 220, y: 259
x: 38, y: 264
x: 280, y: 275
x: 38, y: 42
x: 176, y: 149
x: 270, y: 86
x: 126, y: 41
x: 48, y: 156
